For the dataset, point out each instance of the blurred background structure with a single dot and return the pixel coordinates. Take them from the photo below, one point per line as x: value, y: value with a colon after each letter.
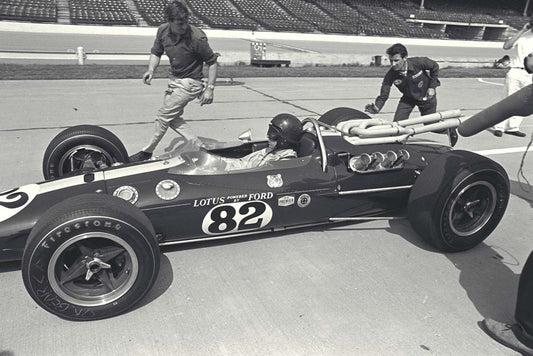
x: 454, y: 19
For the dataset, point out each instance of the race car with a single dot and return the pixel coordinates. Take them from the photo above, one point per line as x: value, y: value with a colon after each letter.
x: 89, y: 235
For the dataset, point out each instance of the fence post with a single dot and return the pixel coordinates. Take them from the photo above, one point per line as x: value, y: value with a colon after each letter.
x: 81, y: 56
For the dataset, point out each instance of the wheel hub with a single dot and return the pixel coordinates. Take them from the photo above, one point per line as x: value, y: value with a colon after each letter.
x: 472, y: 208
x: 94, y: 266
x: 93, y: 269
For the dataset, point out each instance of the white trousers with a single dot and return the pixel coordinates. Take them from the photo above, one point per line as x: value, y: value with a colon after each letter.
x: 515, y: 80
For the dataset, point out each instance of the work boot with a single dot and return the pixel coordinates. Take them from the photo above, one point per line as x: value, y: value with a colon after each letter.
x: 505, y: 335
x: 452, y: 132
x: 140, y: 156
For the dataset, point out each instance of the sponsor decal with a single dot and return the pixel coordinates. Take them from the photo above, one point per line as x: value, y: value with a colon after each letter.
x: 14, y: 200
x: 127, y: 193
x: 397, y: 82
x: 304, y: 200
x: 237, y: 217
x: 167, y: 189
x: 232, y: 198
x: 420, y: 84
x: 286, y: 200
x: 275, y: 181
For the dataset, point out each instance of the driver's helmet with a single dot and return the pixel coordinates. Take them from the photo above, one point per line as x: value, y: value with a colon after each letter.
x: 286, y: 130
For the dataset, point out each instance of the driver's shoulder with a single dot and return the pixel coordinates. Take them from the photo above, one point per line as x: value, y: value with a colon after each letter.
x: 286, y: 153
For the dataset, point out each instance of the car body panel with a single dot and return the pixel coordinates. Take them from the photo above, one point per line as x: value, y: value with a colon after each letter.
x: 214, y: 203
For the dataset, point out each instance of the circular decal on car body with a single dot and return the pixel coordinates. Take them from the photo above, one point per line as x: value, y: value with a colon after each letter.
x: 304, y: 200
x: 236, y: 217
x: 14, y: 200
x: 167, y: 189
x: 128, y: 193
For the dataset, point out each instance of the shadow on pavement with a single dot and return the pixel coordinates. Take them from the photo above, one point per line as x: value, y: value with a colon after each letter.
x: 522, y: 191
x: 485, y: 273
x: 163, y: 282
x: 488, y: 281
x: 10, y: 267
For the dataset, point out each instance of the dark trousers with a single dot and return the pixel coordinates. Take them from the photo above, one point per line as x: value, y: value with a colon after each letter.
x: 524, y: 304
x: 406, y: 106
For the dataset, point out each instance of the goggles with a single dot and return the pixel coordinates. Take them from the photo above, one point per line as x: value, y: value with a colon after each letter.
x: 274, y: 133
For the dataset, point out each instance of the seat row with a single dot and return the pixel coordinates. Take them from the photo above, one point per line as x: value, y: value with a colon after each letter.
x: 368, y: 17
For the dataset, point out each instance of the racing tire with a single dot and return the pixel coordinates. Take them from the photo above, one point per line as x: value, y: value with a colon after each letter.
x: 337, y: 115
x: 458, y: 200
x: 90, y: 257
x: 67, y: 151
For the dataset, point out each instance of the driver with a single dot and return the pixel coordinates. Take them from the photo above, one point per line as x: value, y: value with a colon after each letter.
x: 284, y: 133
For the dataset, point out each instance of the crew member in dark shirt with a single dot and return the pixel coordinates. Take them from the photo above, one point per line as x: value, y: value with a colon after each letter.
x: 416, y: 78
x: 187, y: 49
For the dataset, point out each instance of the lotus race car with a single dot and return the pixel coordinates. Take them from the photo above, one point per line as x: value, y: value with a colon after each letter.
x: 89, y: 235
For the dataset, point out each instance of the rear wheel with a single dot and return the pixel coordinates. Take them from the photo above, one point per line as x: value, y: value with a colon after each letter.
x: 90, y: 257
x: 337, y: 115
x: 458, y: 200
x: 82, y: 147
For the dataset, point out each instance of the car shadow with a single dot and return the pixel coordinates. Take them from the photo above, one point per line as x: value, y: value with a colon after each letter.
x: 163, y: 282
x: 522, y: 190
x: 484, y: 273
x: 10, y: 266
x: 488, y: 280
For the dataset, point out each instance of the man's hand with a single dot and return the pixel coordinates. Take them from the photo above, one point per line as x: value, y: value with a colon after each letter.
x: 147, y: 77
x: 431, y: 93
x: 371, y: 108
x: 207, y: 96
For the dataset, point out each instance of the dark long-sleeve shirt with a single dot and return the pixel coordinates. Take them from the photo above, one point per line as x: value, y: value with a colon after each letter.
x: 422, y: 74
x: 187, y: 53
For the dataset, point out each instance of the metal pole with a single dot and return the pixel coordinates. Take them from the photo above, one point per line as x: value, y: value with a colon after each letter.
x: 525, y: 8
x: 422, y: 4
x: 80, y: 53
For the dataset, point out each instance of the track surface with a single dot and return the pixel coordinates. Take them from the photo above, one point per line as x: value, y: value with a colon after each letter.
x: 361, y: 289
x: 234, y: 46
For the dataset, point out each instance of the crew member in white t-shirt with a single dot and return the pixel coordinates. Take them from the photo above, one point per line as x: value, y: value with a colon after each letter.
x: 521, y: 44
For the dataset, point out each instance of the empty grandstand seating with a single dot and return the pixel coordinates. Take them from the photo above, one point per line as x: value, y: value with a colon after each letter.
x: 385, y: 22
x: 100, y: 12
x: 314, y: 15
x: 360, y: 17
x: 29, y: 10
x: 152, y: 12
x: 220, y: 14
x: 271, y: 16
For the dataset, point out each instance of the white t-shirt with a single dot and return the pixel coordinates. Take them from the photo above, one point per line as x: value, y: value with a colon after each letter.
x: 521, y: 49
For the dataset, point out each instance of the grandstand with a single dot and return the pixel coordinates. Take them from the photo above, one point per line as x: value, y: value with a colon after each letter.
x: 462, y: 19
x: 29, y: 10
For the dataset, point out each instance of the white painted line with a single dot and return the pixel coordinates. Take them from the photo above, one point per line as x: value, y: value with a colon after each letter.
x: 487, y: 82
x: 501, y: 151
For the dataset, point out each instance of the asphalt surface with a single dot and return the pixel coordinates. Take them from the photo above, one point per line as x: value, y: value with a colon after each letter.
x: 354, y: 289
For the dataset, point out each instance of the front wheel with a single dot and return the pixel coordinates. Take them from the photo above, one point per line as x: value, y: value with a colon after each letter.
x: 90, y: 257
x: 82, y: 147
x: 458, y: 200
